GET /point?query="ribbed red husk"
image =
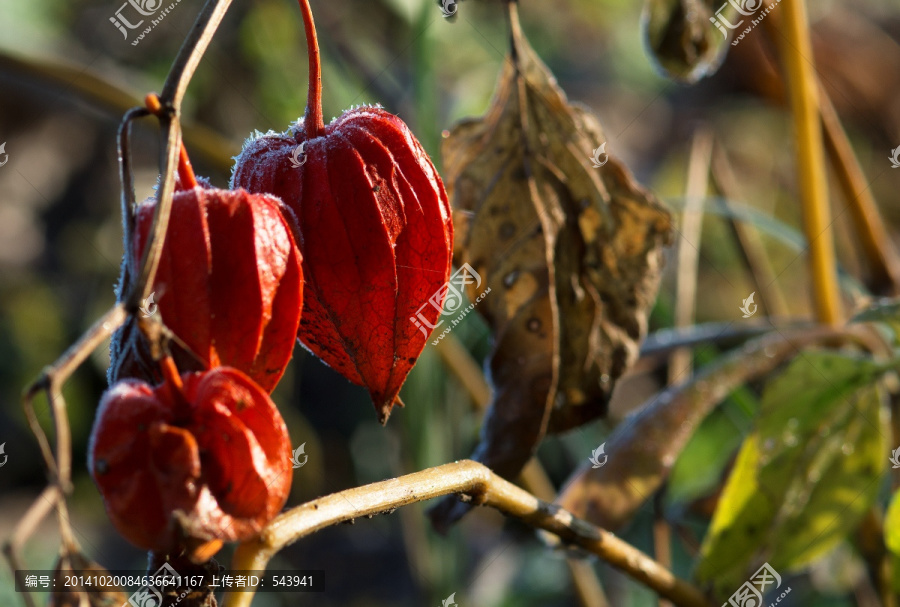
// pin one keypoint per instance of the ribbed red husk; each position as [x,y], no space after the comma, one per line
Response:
[211,462]
[376,235]
[229,285]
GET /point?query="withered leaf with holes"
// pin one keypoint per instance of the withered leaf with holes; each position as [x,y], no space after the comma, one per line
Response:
[571,254]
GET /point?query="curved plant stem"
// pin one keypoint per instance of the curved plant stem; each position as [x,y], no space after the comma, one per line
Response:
[59,463]
[51,381]
[881,256]
[186,178]
[313,123]
[691,231]
[172,95]
[26,526]
[113,98]
[126,178]
[803,92]
[751,246]
[880,252]
[473,481]
[533,477]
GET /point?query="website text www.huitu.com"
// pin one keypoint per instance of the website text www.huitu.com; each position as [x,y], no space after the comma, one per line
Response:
[747,8]
[456,321]
[448,300]
[131,15]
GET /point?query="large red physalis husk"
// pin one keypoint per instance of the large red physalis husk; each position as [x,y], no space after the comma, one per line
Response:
[229,286]
[209,460]
[375,231]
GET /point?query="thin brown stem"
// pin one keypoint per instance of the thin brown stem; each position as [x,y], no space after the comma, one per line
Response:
[458,360]
[882,258]
[883,262]
[751,246]
[173,91]
[191,52]
[126,178]
[587,586]
[472,481]
[680,366]
[26,526]
[51,381]
[870,543]
[313,123]
[106,95]
[533,477]
[53,377]
[59,464]
[588,589]
[662,540]
[186,178]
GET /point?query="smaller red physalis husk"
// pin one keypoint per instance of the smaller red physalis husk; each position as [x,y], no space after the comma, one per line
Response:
[375,231]
[229,284]
[202,457]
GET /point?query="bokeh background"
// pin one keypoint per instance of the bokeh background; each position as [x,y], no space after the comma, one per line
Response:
[66,77]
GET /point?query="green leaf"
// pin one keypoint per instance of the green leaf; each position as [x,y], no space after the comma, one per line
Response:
[698,469]
[807,474]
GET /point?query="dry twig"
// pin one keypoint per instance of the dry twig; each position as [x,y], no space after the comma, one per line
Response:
[473,481]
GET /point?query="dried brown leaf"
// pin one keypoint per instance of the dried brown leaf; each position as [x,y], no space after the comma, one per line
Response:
[642,450]
[569,254]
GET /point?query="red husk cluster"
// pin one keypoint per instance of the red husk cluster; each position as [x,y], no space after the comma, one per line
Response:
[375,231]
[229,286]
[205,456]
[209,460]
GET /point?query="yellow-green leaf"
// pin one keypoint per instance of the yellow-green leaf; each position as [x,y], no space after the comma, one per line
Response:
[806,475]
[892,538]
